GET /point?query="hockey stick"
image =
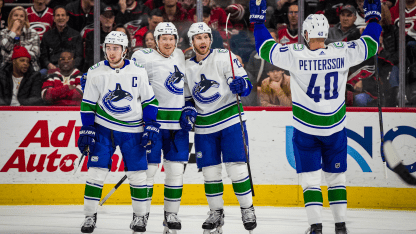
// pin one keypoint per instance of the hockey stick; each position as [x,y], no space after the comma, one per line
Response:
[380,114]
[86,151]
[396,164]
[239,110]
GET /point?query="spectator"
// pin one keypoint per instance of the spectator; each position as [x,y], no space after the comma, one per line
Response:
[40,17]
[107,19]
[19,32]
[154,4]
[289,34]
[410,15]
[275,90]
[279,18]
[81,14]
[62,87]
[58,39]
[2,16]
[155,17]
[149,40]
[20,85]
[187,4]
[389,3]
[251,99]
[345,30]
[360,21]
[331,9]
[132,14]
[173,12]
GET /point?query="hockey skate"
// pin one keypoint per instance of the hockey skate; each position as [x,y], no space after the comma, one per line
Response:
[214,222]
[138,224]
[249,218]
[314,229]
[171,223]
[340,228]
[89,224]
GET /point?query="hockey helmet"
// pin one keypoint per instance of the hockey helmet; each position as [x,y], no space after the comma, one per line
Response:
[164,28]
[199,28]
[316,25]
[116,38]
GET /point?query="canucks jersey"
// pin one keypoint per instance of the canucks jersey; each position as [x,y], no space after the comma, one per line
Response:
[118,99]
[318,79]
[166,75]
[207,84]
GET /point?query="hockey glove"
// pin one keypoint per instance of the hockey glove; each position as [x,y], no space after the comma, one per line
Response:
[372,10]
[258,11]
[83,81]
[188,118]
[238,85]
[150,134]
[86,138]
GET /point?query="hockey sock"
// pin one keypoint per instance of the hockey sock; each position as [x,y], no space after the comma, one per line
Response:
[337,195]
[94,189]
[214,187]
[138,191]
[238,174]
[173,185]
[150,177]
[312,195]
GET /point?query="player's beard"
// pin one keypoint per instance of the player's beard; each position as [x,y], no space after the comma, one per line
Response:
[197,50]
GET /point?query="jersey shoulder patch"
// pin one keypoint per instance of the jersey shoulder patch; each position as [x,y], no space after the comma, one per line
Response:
[95,66]
[222,50]
[137,64]
[147,50]
[338,45]
[298,47]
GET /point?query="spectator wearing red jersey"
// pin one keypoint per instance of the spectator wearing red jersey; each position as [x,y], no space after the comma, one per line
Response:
[40,17]
[155,18]
[62,87]
[154,4]
[409,14]
[132,14]
[81,14]
[58,39]
[187,4]
[289,34]
[173,12]
[18,32]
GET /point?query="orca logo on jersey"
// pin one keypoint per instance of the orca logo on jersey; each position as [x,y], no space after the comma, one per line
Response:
[117,95]
[175,78]
[203,86]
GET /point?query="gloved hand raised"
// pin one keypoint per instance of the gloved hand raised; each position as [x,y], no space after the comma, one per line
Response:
[258,11]
[372,10]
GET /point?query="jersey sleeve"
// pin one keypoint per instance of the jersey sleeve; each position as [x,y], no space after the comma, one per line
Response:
[238,70]
[267,48]
[89,101]
[139,57]
[148,100]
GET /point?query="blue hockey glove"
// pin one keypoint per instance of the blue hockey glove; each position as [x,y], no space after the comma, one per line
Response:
[372,10]
[86,138]
[238,85]
[258,11]
[188,118]
[150,134]
[83,81]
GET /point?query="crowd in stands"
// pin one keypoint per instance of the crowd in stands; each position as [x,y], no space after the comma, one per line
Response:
[46,47]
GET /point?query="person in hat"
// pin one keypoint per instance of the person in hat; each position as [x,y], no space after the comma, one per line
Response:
[346,28]
[20,85]
[81,14]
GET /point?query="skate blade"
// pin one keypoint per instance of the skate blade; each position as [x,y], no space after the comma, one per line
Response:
[166,230]
[218,230]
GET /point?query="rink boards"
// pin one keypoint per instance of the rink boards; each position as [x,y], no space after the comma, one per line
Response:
[38,147]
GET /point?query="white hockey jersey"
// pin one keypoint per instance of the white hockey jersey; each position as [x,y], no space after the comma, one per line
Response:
[318,80]
[115,98]
[206,83]
[166,75]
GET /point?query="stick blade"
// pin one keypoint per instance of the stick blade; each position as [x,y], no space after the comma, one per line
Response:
[391,154]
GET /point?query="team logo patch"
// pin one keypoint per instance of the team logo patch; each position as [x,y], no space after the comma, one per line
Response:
[147,50]
[95,66]
[203,86]
[338,45]
[117,100]
[94,159]
[174,80]
[199,154]
[222,51]
[137,64]
[298,47]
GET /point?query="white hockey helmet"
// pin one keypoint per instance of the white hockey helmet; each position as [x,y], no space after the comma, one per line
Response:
[164,28]
[316,25]
[199,28]
[116,38]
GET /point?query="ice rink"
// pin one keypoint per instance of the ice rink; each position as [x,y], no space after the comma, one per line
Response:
[116,220]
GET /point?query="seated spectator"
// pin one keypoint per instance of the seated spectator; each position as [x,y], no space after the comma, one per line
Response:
[187,4]
[149,40]
[121,28]
[107,18]
[154,4]
[18,32]
[409,13]
[58,39]
[173,12]
[279,18]
[40,17]
[20,84]
[275,90]
[331,9]
[289,34]
[345,30]
[132,14]
[81,14]
[62,87]
[155,17]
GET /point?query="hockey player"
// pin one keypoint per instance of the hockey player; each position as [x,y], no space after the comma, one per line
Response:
[209,86]
[118,109]
[165,67]
[319,76]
